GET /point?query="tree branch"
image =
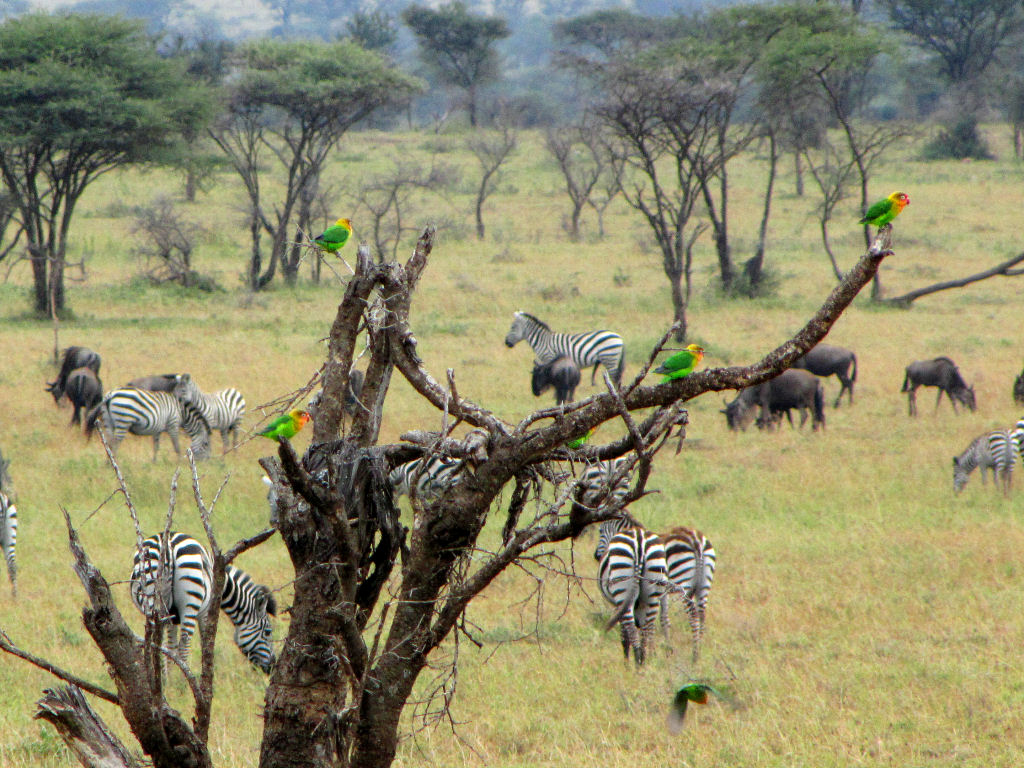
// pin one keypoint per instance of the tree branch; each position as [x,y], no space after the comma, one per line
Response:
[1003,269]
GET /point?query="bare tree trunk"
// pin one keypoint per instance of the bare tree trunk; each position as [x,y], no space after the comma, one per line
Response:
[678,305]
[754,268]
[85,733]
[798,173]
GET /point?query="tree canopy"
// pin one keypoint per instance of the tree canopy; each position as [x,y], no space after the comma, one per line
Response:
[80,96]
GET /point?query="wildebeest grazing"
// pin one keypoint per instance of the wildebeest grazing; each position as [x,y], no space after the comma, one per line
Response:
[72,358]
[1018,389]
[561,373]
[161,382]
[826,360]
[84,389]
[790,389]
[942,373]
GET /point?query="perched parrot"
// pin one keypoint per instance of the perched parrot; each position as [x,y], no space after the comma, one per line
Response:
[335,236]
[695,692]
[682,363]
[884,211]
[286,426]
[578,442]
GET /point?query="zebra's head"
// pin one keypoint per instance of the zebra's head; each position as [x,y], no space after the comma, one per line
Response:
[518,330]
[254,636]
[960,473]
[185,389]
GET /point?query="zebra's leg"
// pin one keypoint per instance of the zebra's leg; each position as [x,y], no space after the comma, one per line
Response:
[12,572]
[173,434]
[664,615]
[224,439]
[912,401]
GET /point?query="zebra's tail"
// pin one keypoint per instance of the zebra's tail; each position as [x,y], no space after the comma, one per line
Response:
[593,373]
[853,374]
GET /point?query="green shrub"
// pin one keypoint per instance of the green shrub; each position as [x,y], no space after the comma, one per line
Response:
[959,141]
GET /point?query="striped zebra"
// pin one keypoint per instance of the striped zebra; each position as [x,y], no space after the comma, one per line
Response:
[185,576]
[996,451]
[691,568]
[248,604]
[427,476]
[632,577]
[9,537]
[585,349]
[595,488]
[223,410]
[176,573]
[149,413]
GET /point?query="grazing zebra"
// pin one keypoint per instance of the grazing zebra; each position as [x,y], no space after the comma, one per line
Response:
[177,572]
[585,349]
[223,410]
[9,537]
[594,489]
[996,451]
[186,576]
[691,567]
[247,605]
[632,578]
[149,413]
[429,476]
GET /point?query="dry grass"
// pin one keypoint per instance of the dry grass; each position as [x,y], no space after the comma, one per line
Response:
[862,613]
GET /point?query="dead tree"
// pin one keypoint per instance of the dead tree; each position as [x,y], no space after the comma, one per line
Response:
[354,650]
[492,150]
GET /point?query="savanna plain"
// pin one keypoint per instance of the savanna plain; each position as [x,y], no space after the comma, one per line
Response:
[861,613]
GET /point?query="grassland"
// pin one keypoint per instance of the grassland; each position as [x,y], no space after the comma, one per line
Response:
[862,613]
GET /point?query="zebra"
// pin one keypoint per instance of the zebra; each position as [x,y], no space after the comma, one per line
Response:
[186,577]
[248,604]
[9,537]
[691,568]
[429,476]
[223,410]
[175,570]
[149,413]
[632,577]
[996,451]
[595,488]
[585,349]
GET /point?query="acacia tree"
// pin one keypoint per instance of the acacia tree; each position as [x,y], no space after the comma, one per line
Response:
[79,97]
[458,46]
[291,103]
[351,658]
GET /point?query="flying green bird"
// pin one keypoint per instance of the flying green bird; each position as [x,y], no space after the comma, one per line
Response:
[695,692]
[682,363]
[335,236]
[884,211]
[287,425]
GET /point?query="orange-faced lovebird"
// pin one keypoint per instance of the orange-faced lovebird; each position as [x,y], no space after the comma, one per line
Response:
[695,692]
[682,363]
[884,211]
[287,425]
[335,236]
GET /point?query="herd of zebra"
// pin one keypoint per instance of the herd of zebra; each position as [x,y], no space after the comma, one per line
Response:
[149,405]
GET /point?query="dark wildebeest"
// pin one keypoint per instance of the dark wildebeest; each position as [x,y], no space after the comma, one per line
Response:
[561,373]
[84,389]
[161,382]
[1018,389]
[942,373]
[790,389]
[72,358]
[825,360]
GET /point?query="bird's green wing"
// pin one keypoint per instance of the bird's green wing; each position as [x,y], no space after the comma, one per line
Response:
[880,208]
[677,362]
[333,235]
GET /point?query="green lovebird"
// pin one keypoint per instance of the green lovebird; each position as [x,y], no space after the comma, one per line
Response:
[577,442]
[286,426]
[695,692]
[884,211]
[335,236]
[682,363]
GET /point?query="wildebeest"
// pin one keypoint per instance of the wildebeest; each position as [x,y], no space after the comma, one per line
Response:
[790,389]
[1018,389]
[826,360]
[84,389]
[942,373]
[161,382]
[561,373]
[72,358]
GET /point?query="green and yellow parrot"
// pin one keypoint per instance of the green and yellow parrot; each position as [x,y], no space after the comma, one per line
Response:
[695,692]
[682,363]
[884,211]
[335,236]
[577,442]
[287,425]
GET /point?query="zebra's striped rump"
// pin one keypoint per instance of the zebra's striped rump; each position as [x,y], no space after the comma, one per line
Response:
[632,576]
[9,538]
[690,560]
[171,579]
[426,477]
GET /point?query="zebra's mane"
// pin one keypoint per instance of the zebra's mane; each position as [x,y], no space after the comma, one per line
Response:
[534,319]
